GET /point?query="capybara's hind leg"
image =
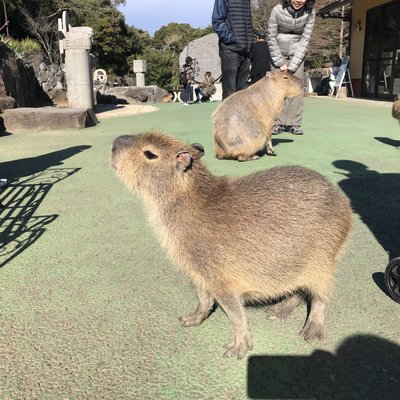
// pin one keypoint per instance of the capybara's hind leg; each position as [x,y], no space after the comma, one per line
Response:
[243,157]
[285,307]
[242,340]
[203,310]
[219,151]
[314,328]
[269,149]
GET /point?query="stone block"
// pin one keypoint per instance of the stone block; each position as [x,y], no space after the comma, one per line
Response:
[139,66]
[7,103]
[45,118]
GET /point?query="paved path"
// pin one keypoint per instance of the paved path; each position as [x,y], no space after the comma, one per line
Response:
[90,303]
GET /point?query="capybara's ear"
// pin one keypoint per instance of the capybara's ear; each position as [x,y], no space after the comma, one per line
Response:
[199,150]
[184,160]
[285,75]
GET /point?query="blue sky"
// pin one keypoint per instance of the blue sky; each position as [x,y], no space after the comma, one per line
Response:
[151,15]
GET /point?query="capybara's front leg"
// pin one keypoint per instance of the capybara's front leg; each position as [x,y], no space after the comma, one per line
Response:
[269,148]
[203,310]
[242,340]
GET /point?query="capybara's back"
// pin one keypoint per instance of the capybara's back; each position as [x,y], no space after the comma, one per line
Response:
[275,234]
[242,123]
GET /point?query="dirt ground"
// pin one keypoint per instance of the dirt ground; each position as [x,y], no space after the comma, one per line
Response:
[120,110]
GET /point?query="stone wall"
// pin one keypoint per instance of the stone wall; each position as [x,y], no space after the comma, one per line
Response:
[30,81]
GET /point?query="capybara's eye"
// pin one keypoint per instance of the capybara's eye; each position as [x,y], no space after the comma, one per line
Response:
[151,156]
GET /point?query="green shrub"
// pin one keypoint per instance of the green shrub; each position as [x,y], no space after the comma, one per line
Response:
[21,47]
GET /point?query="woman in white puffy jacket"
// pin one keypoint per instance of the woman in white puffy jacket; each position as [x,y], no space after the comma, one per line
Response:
[290,28]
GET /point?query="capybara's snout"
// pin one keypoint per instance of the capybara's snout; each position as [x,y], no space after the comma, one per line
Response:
[120,144]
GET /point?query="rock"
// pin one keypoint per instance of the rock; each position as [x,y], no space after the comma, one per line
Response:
[48,118]
[7,103]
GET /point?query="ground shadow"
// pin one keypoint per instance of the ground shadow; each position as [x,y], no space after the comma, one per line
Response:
[379,279]
[375,197]
[276,142]
[388,141]
[30,181]
[17,169]
[364,367]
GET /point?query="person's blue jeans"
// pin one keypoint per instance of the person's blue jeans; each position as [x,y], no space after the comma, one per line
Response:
[186,93]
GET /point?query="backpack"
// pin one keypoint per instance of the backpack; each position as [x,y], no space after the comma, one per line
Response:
[182,78]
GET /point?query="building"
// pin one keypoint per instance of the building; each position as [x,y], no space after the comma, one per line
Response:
[374,46]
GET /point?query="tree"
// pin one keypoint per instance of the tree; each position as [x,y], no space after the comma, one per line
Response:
[44,28]
[261,10]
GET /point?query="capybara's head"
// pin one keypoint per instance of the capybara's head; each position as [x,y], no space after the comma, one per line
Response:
[288,83]
[153,164]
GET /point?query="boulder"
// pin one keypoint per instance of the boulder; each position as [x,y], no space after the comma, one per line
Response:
[45,118]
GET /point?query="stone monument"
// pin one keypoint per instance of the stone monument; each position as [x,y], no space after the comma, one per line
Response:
[100,76]
[76,43]
[139,68]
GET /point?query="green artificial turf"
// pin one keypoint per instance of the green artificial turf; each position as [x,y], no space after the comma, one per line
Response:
[89,303]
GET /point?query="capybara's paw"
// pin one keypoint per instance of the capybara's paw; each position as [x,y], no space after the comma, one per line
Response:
[240,346]
[248,158]
[313,331]
[271,152]
[194,319]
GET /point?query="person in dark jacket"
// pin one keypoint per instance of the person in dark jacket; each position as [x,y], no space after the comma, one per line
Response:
[231,20]
[188,72]
[289,32]
[259,57]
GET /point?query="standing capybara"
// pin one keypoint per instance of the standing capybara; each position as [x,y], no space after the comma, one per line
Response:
[242,124]
[275,234]
[396,108]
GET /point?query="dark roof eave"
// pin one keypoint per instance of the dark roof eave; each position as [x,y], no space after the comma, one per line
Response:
[332,7]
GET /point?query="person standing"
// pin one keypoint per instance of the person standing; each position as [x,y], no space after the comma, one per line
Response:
[231,21]
[290,28]
[187,79]
[259,57]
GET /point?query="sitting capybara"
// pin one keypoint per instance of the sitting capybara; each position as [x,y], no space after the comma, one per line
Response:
[242,123]
[275,234]
[396,108]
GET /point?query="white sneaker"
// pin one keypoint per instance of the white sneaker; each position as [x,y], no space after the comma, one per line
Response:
[185,104]
[3,183]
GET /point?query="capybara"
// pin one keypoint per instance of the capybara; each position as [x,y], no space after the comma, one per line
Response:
[242,123]
[275,234]
[396,108]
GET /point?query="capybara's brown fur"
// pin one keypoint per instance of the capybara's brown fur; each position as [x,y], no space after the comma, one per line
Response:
[396,108]
[242,123]
[275,234]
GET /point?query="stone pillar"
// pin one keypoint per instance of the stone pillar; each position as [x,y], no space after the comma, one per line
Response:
[75,43]
[139,68]
[78,70]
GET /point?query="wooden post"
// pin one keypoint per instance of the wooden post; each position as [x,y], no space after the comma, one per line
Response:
[341,37]
[6,18]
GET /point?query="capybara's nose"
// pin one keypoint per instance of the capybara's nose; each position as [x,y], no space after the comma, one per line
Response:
[121,143]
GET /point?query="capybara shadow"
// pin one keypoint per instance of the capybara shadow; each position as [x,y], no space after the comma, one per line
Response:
[274,234]
[242,123]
